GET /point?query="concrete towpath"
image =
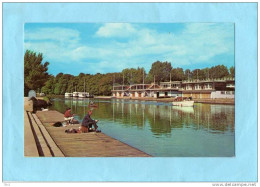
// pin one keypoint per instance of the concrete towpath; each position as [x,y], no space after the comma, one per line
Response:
[84,144]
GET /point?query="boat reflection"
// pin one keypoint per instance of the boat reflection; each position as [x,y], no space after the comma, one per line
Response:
[161,129]
[184,109]
[161,119]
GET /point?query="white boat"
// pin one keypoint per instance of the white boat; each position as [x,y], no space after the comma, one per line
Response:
[75,94]
[68,94]
[187,110]
[90,96]
[183,103]
[82,94]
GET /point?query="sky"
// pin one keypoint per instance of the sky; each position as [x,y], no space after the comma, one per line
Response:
[75,48]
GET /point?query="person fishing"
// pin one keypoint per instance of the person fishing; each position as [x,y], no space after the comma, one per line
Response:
[88,122]
[68,117]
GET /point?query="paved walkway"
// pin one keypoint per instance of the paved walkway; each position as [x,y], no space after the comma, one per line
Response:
[84,144]
[37,141]
[30,146]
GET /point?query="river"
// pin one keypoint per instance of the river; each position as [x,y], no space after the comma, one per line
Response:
[161,130]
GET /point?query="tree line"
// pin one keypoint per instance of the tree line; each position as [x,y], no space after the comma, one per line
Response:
[37,78]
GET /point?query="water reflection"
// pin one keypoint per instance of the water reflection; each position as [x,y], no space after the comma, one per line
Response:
[161,117]
[160,129]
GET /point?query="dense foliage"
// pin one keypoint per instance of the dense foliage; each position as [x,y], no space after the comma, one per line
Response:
[35,73]
[36,77]
[159,72]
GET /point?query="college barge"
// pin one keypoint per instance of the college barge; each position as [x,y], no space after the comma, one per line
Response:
[196,89]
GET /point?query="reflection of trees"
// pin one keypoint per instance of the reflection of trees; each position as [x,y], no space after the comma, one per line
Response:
[59,106]
[156,118]
[129,114]
[217,118]
[161,118]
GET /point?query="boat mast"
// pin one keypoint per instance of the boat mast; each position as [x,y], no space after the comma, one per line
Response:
[84,86]
[113,81]
[143,79]
[123,85]
[131,80]
[170,79]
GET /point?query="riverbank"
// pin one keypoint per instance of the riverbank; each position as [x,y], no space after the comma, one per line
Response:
[102,97]
[208,101]
[44,140]
[216,101]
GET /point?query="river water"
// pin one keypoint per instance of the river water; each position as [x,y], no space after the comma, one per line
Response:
[161,130]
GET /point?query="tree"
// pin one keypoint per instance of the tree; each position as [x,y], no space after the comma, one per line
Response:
[232,71]
[161,71]
[177,74]
[219,71]
[62,84]
[105,84]
[206,73]
[187,74]
[48,88]
[198,74]
[93,84]
[35,73]
[133,76]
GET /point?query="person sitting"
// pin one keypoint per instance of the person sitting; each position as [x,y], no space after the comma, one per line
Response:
[88,122]
[68,117]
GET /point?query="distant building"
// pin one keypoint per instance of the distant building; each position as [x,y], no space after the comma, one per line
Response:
[198,89]
[210,88]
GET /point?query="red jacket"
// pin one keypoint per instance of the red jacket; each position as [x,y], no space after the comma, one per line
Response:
[67,114]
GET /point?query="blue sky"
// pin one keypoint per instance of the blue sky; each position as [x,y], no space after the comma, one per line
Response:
[75,48]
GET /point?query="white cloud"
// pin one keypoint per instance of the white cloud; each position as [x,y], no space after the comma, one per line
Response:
[116,30]
[197,43]
[56,34]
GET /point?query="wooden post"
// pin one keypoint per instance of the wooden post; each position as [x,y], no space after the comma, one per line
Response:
[143,79]
[171,80]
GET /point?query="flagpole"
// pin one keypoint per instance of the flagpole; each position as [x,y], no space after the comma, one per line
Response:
[143,79]
[170,79]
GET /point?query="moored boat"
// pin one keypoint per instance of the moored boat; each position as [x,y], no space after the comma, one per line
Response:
[68,94]
[90,96]
[183,103]
[82,94]
[75,94]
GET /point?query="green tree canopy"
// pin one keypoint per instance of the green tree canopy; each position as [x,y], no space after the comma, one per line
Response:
[161,71]
[35,73]
[198,74]
[105,84]
[177,74]
[36,76]
[48,88]
[219,71]
[232,71]
[133,76]
[187,74]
